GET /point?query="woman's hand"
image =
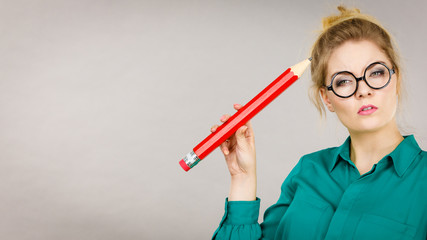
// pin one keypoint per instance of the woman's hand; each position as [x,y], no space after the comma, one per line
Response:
[240,156]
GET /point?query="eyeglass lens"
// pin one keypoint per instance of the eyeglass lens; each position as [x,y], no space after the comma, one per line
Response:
[377,76]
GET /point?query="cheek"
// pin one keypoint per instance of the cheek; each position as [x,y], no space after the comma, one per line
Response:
[344,109]
[340,104]
[390,96]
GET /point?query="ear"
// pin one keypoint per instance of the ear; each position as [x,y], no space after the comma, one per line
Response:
[398,84]
[326,99]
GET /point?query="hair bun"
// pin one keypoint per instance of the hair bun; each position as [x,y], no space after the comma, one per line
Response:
[345,15]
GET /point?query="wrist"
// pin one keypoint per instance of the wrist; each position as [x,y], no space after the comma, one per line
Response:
[243,187]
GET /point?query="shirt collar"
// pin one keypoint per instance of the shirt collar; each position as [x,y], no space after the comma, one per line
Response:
[402,156]
[341,153]
[405,154]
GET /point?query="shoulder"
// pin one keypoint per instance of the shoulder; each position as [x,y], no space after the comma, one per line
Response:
[422,161]
[325,157]
[327,152]
[412,150]
[423,155]
[417,171]
[311,166]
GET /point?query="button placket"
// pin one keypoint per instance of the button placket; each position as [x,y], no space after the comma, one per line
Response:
[343,210]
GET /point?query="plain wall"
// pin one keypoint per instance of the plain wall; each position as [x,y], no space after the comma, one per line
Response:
[99,100]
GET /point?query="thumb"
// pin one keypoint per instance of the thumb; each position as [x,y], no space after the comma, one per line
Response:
[241,135]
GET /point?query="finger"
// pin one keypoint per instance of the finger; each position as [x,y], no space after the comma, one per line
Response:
[250,131]
[224,118]
[224,148]
[237,106]
[249,125]
[214,127]
[241,133]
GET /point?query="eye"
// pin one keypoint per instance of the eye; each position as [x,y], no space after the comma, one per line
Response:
[378,73]
[343,82]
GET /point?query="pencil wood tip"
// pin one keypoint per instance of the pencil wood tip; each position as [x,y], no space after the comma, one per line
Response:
[300,67]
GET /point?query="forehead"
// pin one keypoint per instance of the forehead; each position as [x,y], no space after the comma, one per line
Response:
[355,56]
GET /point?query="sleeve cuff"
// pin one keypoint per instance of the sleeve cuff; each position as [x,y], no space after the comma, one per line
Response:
[242,212]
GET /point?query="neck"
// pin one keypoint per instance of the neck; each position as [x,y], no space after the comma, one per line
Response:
[367,148]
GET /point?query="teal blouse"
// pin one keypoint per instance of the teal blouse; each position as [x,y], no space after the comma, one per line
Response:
[325,197]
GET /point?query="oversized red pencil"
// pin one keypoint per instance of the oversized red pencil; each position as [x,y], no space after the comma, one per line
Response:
[243,115]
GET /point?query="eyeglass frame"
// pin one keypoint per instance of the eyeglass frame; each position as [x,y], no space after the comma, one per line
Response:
[390,71]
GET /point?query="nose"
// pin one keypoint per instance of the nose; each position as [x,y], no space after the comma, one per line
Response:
[363,90]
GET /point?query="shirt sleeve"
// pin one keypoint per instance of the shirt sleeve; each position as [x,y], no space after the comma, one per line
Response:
[240,220]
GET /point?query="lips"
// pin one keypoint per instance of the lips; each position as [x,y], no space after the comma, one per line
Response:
[367,109]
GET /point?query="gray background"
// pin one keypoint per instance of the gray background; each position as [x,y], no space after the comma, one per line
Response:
[100,99]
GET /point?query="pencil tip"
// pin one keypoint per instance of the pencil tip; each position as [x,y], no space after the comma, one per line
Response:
[310,58]
[300,67]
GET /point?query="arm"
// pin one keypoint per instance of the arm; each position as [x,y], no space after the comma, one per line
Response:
[240,219]
[240,156]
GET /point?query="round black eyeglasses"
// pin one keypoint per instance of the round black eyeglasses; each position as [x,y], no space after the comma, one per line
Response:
[344,84]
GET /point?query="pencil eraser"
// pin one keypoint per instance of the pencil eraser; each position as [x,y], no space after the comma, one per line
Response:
[184,165]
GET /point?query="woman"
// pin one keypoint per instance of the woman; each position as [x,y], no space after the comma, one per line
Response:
[374,186]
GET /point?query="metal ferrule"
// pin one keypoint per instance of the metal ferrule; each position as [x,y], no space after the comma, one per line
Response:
[191,159]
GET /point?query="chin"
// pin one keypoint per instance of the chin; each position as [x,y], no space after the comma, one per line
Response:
[369,125]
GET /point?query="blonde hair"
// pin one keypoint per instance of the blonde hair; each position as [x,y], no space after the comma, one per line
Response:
[337,29]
